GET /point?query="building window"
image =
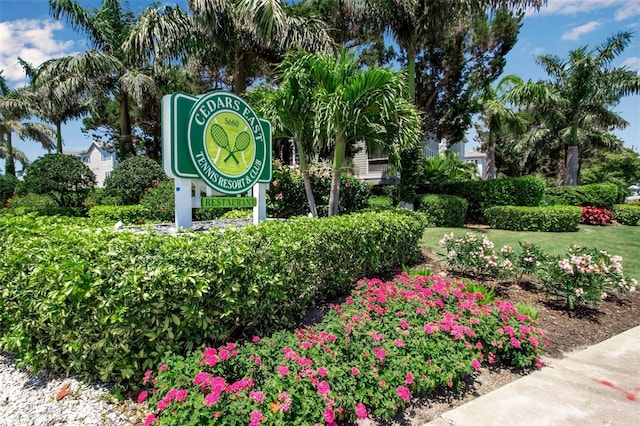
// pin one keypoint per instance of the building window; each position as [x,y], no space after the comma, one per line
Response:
[106,156]
[106,174]
[85,159]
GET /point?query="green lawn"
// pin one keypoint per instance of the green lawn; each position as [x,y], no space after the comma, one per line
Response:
[619,240]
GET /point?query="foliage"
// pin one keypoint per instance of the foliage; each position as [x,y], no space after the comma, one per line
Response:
[603,195]
[627,214]
[132,178]
[488,294]
[130,215]
[483,194]
[8,185]
[417,272]
[62,177]
[621,169]
[30,203]
[584,276]
[444,210]
[160,201]
[379,202]
[110,303]
[529,310]
[285,195]
[99,197]
[545,219]
[387,344]
[474,256]
[236,214]
[442,169]
[595,216]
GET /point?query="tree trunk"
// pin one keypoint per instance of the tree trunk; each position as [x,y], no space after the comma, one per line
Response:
[59,137]
[572,166]
[561,176]
[411,71]
[10,162]
[304,168]
[126,139]
[338,160]
[239,74]
[490,173]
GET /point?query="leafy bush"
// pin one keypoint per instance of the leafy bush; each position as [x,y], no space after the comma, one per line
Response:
[237,214]
[380,202]
[584,276]
[99,197]
[8,185]
[444,210]
[389,343]
[29,203]
[96,301]
[159,200]
[286,196]
[595,216]
[64,178]
[470,255]
[627,214]
[603,195]
[484,194]
[545,219]
[129,215]
[531,311]
[131,179]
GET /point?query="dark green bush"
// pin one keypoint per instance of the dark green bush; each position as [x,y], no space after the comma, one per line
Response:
[380,202]
[8,185]
[626,214]
[129,215]
[603,195]
[109,304]
[131,179]
[484,194]
[545,219]
[64,178]
[29,203]
[446,211]
[160,202]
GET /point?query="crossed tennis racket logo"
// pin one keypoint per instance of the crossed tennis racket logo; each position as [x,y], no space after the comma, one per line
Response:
[240,144]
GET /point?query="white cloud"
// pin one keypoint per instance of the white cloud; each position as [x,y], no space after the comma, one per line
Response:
[32,40]
[577,32]
[632,63]
[624,9]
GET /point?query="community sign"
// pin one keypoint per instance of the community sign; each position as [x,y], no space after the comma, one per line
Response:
[216,138]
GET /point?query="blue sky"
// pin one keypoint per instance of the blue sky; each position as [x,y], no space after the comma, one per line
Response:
[28,31]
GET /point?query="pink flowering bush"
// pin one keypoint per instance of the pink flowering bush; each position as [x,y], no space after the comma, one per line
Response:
[585,276]
[388,343]
[595,216]
[476,256]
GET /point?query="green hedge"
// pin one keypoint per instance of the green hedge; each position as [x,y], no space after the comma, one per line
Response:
[626,214]
[444,210]
[603,195]
[484,194]
[546,219]
[88,300]
[135,214]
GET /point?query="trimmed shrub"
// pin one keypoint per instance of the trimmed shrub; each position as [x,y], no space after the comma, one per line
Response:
[109,304]
[484,194]
[160,202]
[627,214]
[546,219]
[64,178]
[129,215]
[131,179]
[595,216]
[603,195]
[444,210]
[380,202]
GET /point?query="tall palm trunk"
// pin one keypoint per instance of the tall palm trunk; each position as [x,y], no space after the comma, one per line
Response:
[58,137]
[304,168]
[239,74]
[573,155]
[409,160]
[490,173]
[411,70]
[10,162]
[126,139]
[338,161]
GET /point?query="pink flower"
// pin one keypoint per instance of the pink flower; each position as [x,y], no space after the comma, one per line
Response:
[355,371]
[382,383]
[403,393]
[515,343]
[361,411]
[282,370]
[256,418]
[163,367]
[255,339]
[380,353]
[202,378]
[328,415]
[322,372]
[149,420]
[181,395]
[143,395]
[399,343]
[404,324]
[347,184]
[475,364]
[147,376]
[408,378]
[257,396]
[274,183]
[279,196]
[286,401]
[323,388]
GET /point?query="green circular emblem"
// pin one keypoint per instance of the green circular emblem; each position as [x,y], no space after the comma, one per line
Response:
[226,143]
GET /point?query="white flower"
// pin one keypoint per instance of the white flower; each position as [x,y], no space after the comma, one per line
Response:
[579,292]
[603,296]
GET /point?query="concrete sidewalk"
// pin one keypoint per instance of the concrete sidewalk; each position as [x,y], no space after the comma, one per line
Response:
[597,386]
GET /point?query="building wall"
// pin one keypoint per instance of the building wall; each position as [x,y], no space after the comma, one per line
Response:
[100,162]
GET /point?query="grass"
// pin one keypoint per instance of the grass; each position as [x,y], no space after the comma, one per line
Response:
[618,240]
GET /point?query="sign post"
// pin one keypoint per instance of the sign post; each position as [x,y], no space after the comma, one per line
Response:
[218,140]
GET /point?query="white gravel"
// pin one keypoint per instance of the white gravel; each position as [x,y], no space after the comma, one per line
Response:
[30,400]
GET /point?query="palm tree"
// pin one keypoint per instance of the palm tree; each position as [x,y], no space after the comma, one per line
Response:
[499,118]
[14,108]
[108,69]
[239,33]
[353,104]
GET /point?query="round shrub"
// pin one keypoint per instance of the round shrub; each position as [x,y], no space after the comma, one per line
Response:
[443,210]
[602,195]
[627,214]
[595,216]
[64,178]
[131,179]
[8,185]
[546,219]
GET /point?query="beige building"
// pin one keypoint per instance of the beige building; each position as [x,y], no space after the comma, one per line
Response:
[100,158]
